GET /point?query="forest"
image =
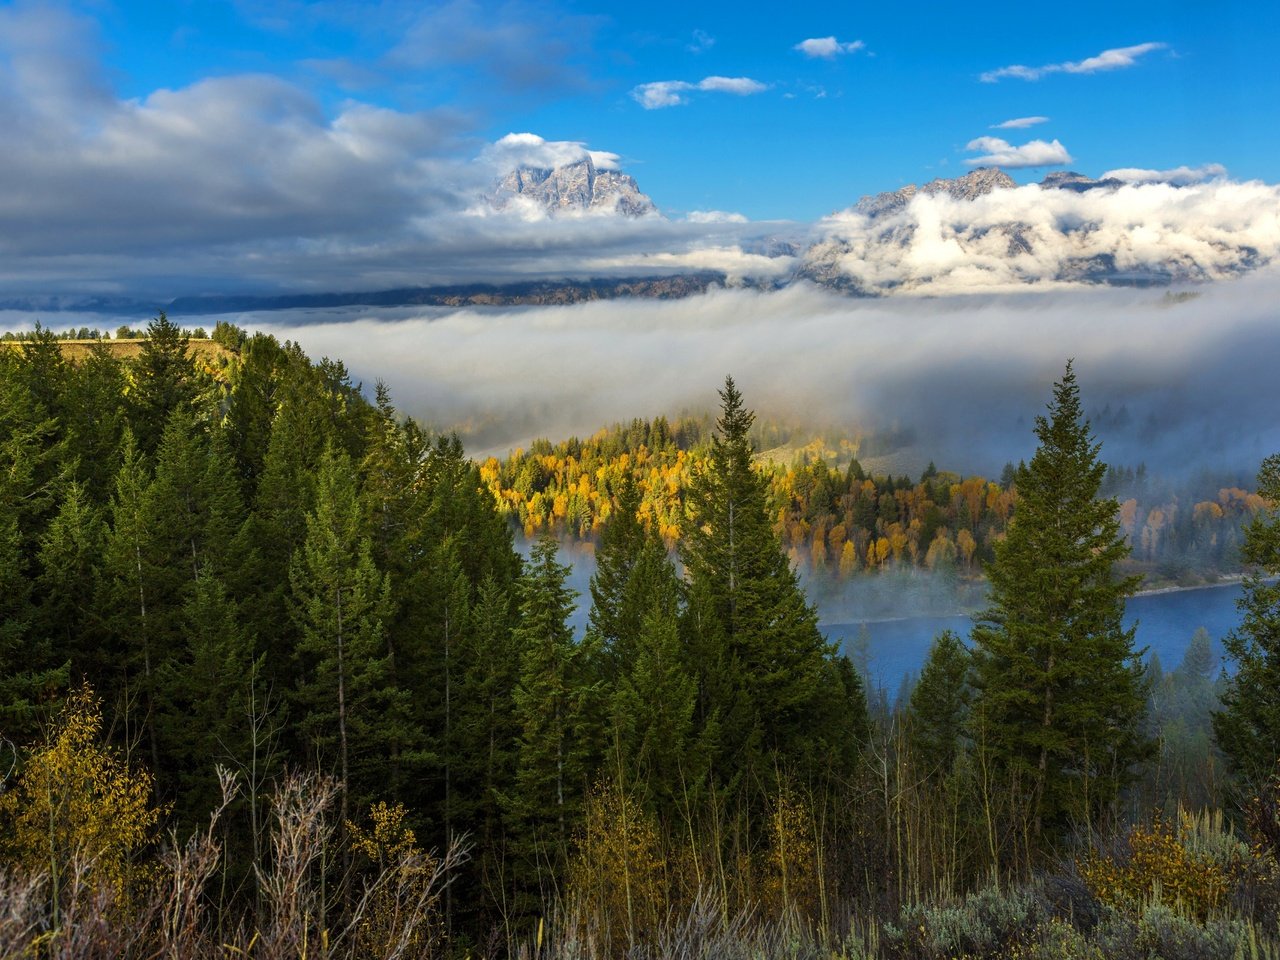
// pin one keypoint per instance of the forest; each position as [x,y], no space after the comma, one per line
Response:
[275,682]
[838,521]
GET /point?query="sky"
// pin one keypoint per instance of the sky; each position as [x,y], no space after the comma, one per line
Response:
[206,146]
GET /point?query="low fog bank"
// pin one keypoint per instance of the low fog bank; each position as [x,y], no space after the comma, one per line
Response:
[1181,381]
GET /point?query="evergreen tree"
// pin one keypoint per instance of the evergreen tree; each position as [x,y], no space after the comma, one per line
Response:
[206,696]
[616,611]
[488,731]
[939,705]
[96,419]
[653,749]
[129,591]
[164,382]
[769,690]
[70,562]
[1060,692]
[348,709]
[548,699]
[1248,727]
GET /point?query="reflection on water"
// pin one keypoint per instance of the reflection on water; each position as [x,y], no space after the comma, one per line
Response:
[1165,622]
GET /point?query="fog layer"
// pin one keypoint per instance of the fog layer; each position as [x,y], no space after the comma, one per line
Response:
[1181,381]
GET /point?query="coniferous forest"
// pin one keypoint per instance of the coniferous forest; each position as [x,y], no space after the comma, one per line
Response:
[275,682]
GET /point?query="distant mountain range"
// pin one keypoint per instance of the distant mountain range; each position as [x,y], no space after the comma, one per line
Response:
[979,231]
[531,293]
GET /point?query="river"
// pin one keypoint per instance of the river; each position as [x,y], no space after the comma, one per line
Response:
[1165,622]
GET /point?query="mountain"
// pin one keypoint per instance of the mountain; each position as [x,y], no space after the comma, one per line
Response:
[576,187]
[974,184]
[984,232]
[1077,182]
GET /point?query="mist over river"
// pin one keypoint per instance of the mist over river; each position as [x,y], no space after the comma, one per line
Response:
[1165,621]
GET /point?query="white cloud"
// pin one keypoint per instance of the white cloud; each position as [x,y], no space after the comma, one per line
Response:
[714,216]
[1001,153]
[567,370]
[671,93]
[827,48]
[741,86]
[1019,123]
[530,150]
[1178,176]
[1028,236]
[1116,59]
[702,42]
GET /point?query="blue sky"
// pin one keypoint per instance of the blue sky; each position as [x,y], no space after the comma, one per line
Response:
[898,103]
[194,147]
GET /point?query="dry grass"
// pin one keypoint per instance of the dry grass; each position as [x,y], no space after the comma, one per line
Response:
[206,351]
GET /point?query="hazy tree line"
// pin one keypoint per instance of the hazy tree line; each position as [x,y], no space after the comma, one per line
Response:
[841,522]
[251,590]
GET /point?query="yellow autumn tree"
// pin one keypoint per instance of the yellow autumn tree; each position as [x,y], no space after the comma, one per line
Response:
[78,805]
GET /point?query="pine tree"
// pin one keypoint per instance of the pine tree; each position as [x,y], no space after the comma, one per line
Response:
[616,611]
[70,562]
[549,699]
[205,697]
[164,382]
[939,705]
[769,688]
[347,707]
[1060,692]
[488,730]
[129,591]
[1248,727]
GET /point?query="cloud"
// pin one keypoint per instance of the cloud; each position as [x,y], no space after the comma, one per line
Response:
[1118,58]
[1178,176]
[827,48]
[1019,123]
[1030,237]
[523,46]
[1187,372]
[701,43]
[714,216]
[530,150]
[1001,153]
[671,93]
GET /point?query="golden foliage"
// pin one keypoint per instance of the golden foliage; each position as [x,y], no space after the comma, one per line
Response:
[793,876]
[78,804]
[618,876]
[1159,865]
[401,903]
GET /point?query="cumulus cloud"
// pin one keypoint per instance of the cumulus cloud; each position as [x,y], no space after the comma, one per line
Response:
[1001,153]
[827,48]
[1118,58]
[1019,123]
[530,150]
[1178,176]
[672,93]
[1017,237]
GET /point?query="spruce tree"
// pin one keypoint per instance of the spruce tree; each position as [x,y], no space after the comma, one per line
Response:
[1248,727]
[770,691]
[70,563]
[164,382]
[549,700]
[1060,691]
[347,706]
[939,705]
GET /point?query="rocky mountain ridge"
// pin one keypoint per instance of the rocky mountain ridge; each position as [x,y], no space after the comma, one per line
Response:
[573,187]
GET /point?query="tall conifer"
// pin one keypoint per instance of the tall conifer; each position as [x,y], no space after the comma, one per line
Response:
[1060,690]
